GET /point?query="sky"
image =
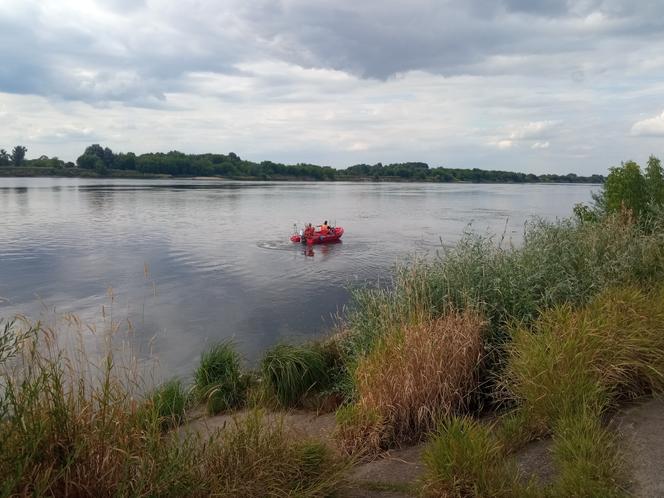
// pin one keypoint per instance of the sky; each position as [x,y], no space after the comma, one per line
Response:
[536,86]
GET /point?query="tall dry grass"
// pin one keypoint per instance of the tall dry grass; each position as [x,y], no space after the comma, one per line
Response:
[414,377]
[79,425]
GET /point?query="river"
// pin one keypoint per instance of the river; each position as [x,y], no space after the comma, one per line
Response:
[191,262]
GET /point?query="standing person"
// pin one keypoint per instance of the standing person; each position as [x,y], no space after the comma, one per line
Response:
[324,228]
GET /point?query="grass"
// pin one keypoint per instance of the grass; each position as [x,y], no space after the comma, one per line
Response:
[361,432]
[559,262]
[72,429]
[291,372]
[259,459]
[169,402]
[419,374]
[464,459]
[587,458]
[571,360]
[218,378]
[563,374]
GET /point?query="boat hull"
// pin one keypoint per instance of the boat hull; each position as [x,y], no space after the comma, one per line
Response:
[319,238]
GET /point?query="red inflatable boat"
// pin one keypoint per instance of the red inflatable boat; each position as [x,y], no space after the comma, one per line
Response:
[332,235]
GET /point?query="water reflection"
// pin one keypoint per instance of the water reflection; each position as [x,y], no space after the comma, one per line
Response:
[221,263]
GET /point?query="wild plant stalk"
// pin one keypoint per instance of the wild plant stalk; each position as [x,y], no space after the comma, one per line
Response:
[66,433]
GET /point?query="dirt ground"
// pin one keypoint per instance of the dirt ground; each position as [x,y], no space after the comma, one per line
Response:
[395,474]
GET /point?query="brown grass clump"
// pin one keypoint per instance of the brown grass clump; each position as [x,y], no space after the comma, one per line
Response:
[419,374]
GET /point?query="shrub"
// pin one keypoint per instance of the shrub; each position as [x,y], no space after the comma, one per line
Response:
[291,372]
[218,378]
[425,371]
[463,459]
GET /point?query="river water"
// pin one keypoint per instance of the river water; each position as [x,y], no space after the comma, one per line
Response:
[191,262]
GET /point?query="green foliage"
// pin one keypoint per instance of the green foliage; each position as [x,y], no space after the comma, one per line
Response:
[464,459]
[655,181]
[231,165]
[4,158]
[169,402]
[559,262]
[65,433]
[291,372]
[625,187]
[18,155]
[628,189]
[218,378]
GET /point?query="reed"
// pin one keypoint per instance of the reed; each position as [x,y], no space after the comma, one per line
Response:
[75,424]
[423,372]
[559,262]
[411,379]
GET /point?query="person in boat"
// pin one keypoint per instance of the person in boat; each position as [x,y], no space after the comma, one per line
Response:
[324,228]
[309,231]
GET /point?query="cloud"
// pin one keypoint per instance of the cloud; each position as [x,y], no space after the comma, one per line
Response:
[534,130]
[479,84]
[650,127]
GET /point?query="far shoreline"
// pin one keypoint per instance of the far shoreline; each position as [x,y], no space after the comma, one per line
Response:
[122,174]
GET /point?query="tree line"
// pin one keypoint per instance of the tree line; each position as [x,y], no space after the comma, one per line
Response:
[104,161]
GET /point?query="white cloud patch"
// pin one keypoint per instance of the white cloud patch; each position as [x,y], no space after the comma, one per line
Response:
[468,84]
[650,127]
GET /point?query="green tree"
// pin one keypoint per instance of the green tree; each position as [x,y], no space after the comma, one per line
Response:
[4,158]
[655,181]
[18,155]
[626,188]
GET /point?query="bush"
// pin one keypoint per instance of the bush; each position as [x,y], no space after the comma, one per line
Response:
[291,372]
[218,379]
[421,373]
[463,459]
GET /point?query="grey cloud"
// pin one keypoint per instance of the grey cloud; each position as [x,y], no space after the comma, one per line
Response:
[136,52]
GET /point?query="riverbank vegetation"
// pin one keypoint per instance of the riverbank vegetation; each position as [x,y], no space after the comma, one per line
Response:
[76,427]
[98,161]
[476,352]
